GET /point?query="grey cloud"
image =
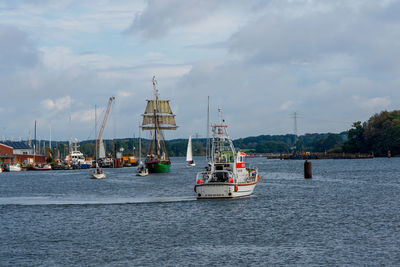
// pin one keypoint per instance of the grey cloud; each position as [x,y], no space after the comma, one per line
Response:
[16,50]
[339,30]
[159,17]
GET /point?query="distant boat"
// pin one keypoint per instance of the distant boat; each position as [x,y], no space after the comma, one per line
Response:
[189,154]
[76,157]
[98,172]
[158,116]
[13,168]
[141,170]
[45,167]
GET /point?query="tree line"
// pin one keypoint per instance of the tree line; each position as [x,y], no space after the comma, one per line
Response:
[378,135]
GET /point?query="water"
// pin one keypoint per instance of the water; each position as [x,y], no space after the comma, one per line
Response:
[348,214]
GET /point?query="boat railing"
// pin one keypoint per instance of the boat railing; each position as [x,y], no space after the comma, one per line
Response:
[215,177]
[253,174]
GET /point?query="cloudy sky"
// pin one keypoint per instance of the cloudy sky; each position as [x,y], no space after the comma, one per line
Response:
[332,62]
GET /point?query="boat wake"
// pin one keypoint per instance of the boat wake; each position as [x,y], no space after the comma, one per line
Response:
[47,201]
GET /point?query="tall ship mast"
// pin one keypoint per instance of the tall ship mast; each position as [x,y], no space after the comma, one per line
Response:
[157,117]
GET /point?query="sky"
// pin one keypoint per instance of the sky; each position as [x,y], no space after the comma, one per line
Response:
[333,62]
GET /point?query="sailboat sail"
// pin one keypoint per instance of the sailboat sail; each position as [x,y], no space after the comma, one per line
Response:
[189,156]
[158,115]
[102,150]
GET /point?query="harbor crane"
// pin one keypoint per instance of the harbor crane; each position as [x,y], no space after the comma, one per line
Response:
[103,125]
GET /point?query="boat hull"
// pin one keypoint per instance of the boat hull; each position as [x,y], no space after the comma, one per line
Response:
[156,167]
[13,168]
[98,175]
[223,190]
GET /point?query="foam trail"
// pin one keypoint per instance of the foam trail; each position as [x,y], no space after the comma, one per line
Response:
[37,201]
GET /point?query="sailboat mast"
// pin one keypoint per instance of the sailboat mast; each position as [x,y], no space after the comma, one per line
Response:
[95,131]
[156,137]
[208,129]
[34,146]
[140,146]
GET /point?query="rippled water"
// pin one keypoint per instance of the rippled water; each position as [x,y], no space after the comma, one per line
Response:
[348,214]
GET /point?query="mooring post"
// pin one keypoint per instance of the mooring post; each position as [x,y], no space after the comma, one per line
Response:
[307,169]
[389,154]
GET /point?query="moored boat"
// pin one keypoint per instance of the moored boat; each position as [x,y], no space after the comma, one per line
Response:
[13,168]
[227,175]
[45,167]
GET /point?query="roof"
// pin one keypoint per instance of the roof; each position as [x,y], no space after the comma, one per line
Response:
[16,145]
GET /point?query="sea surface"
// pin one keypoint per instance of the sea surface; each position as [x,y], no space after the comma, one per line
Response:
[348,214]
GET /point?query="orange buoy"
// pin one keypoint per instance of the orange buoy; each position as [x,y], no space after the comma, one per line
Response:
[236,188]
[200,181]
[230,180]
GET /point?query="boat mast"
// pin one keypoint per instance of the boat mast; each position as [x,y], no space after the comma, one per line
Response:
[140,146]
[208,129]
[95,131]
[34,147]
[156,137]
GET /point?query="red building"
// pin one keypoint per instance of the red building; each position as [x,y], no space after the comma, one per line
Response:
[18,152]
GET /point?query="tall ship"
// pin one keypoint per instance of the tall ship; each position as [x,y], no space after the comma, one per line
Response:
[157,117]
[227,175]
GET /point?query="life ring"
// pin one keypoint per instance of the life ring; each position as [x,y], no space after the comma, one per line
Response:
[200,181]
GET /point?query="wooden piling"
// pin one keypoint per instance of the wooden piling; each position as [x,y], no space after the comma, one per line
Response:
[307,169]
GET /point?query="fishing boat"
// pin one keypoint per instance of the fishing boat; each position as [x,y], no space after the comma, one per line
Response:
[76,158]
[189,154]
[157,117]
[227,175]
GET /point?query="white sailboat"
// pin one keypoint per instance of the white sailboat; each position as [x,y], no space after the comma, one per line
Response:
[141,170]
[189,153]
[98,172]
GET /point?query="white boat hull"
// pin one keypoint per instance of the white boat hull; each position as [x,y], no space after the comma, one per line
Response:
[96,175]
[13,168]
[223,190]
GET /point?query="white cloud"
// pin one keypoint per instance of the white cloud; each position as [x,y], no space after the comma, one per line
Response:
[373,103]
[62,103]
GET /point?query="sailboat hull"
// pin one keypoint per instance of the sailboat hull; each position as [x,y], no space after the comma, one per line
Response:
[156,167]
